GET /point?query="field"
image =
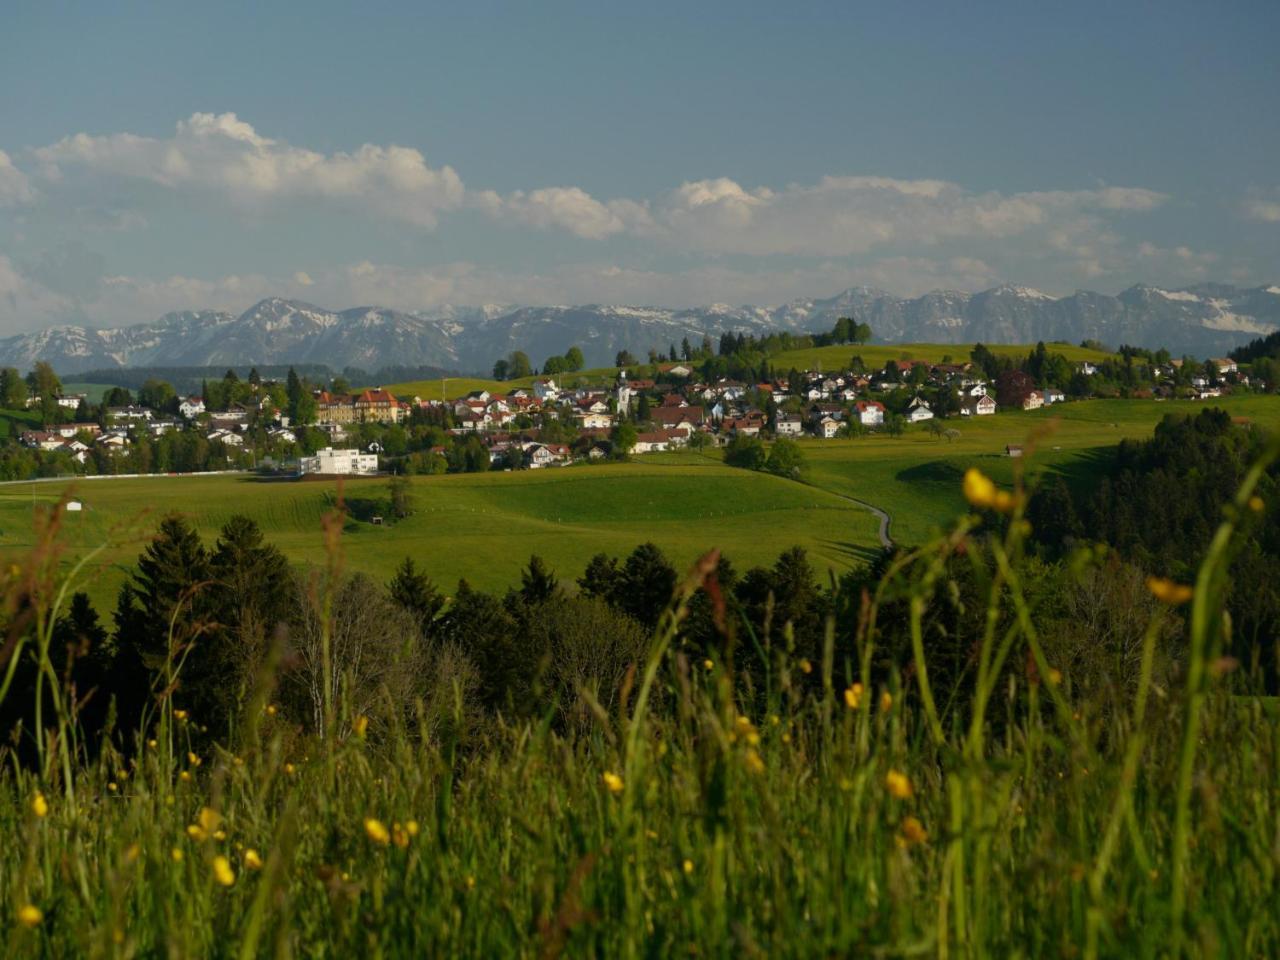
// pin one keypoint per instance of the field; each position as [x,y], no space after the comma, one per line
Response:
[482,527]
[820,358]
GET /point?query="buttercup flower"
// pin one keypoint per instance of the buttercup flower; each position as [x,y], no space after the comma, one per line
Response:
[377,831]
[39,805]
[612,782]
[222,871]
[898,784]
[1174,594]
[29,915]
[912,831]
[853,696]
[980,491]
[252,860]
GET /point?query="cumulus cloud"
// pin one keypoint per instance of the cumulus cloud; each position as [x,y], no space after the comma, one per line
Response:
[15,187]
[1263,207]
[223,153]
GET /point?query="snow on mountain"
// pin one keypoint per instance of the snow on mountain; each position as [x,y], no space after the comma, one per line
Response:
[1203,320]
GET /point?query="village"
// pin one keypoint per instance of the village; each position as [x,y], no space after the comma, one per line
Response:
[665,407]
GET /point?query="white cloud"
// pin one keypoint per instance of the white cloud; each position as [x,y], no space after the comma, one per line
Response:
[15,188]
[1263,209]
[224,154]
[303,279]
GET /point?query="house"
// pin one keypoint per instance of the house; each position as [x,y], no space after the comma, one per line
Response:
[1013,450]
[227,437]
[133,412]
[71,429]
[680,370]
[1054,395]
[870,412]
[191,407]
[1225,365]
[983,406]
[538,455]
[826,428]
[71,401]
[788,425]
[919,411]
[379,406]
[1087,368]
[660,440]
[545,389]
[678,418]
[594,421]
[745,426]
[1033,400]
[329,462]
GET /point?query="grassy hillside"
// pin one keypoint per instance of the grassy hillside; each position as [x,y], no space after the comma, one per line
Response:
[484,526]
[825,358]
[479,526]
[876,355]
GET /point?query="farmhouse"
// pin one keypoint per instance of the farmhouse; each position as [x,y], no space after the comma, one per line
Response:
[191,407]
[919,411]
[330,462]
[983,406]
[789,425]
[1033,400]
[870,413]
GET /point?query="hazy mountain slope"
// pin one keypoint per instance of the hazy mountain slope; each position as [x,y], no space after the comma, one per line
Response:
[1202,320]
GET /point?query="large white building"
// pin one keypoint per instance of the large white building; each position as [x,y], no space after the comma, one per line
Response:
[330,461]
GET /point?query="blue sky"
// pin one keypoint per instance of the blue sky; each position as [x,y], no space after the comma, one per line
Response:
[174,156]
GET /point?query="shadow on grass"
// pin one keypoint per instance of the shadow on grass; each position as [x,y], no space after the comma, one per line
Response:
[861,553]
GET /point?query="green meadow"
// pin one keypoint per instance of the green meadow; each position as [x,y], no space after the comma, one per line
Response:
[483,527]
[818,358]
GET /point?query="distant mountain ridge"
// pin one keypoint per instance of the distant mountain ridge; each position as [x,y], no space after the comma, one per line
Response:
[1208,319]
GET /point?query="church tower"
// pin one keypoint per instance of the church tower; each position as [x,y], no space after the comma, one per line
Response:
[623,394]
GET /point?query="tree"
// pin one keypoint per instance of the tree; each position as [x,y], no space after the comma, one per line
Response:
[554,366]
[643,411]
[685,349]
[575,360]
[1012,388]
[538,582]
[894,424]
[42,381]
[340,385]
[746,452]
[13,389]
[624,359]
[400,496]
[601,577]
[786,459]
[158,395]
[518,365]
[500,370]
[623,438]
[416,594]
[645,585]
[249,599]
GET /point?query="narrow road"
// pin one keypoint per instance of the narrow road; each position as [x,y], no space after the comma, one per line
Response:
[883,532]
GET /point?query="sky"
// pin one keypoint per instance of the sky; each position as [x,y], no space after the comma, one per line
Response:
[172,156]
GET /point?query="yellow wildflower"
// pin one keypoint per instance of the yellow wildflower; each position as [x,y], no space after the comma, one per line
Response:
[1174,594]
[176,854]
[252,860]
[411,828]
[398,836]
[806,666]
[707,664]
[376,831]
[613,782]
[222,871]
[913,831]
[184,776]
[1055,676]
[131,852]
[271,709]
[152,743]
[289,768]
[687,867]
[29,915]
[1256,504]
[853,696]
[112,786]
[196,832]
[193,759]
[209,819]
[886,701]
[180,714]
[982,492]
[39,805]
[754,763]
[361,726]
[898,784]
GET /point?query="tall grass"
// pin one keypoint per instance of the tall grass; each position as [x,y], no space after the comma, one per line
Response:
[855,815]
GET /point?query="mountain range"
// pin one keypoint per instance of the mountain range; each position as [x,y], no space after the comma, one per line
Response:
[1203,320]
